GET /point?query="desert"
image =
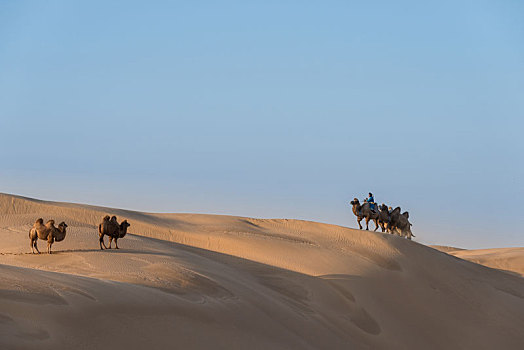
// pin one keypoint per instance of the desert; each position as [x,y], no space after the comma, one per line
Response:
[225,282]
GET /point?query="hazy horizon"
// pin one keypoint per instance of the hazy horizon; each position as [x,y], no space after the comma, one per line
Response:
[271,110]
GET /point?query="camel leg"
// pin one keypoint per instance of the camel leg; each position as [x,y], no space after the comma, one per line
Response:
[36,246]
[102,242]
[110,241]
[32,246]
[376,225]
[358,222]
[116,244]
[367,224]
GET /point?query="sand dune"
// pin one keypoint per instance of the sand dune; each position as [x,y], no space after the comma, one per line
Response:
[506,259]
[193,281]
[446,249]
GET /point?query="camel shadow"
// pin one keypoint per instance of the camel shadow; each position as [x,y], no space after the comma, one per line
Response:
[74,251]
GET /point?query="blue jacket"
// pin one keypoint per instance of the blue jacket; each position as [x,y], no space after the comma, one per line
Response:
[370,200]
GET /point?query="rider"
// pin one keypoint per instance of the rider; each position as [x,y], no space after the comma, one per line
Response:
[371,201]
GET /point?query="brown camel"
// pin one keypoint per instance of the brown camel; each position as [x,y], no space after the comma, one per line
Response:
[364,212]
[48,232]
[111,228]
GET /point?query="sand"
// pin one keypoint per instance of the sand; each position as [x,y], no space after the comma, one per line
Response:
[510,260]
[190,281]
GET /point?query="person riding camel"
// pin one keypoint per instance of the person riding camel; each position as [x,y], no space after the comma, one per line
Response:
[371,201]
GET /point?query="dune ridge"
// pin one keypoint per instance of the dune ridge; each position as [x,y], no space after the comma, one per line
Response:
[209,281]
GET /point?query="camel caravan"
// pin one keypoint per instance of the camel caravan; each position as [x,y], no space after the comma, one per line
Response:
[390,220]
[50,233]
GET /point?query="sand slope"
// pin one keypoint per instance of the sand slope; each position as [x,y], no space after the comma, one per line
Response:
[223,282]
[509,260]
[506,259]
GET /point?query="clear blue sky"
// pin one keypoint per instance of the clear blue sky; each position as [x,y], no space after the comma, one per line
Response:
[284,109]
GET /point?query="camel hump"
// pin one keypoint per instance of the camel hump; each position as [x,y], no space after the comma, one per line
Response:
[406,214]
[50,223]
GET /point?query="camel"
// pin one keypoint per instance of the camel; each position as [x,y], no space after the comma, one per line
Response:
[383,218]
[111,228]
[393,219]
[400,224]
[364,212]
[404,226]
[48,232]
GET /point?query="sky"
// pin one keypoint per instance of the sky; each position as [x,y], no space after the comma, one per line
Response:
[272,109]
